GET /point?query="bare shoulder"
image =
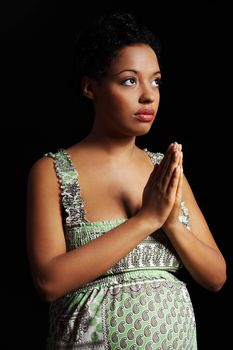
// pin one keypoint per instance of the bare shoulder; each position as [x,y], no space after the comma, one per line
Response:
[41,167]
[81,152]
[42,173]
[41,164]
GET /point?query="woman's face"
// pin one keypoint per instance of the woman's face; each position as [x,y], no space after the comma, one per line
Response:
[126,99]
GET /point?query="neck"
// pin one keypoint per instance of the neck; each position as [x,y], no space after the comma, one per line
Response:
[113,146]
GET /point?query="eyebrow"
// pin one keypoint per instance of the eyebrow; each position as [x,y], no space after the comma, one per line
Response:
[134,71]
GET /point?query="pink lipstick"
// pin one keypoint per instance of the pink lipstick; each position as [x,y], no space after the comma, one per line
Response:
[145,114]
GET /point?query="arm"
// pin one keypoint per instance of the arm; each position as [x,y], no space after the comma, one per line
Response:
[56,271]
[197,248]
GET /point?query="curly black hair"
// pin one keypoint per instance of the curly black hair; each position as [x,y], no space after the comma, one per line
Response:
[99,43]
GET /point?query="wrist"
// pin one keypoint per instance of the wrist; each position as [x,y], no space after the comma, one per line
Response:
[148,224]
[172,228]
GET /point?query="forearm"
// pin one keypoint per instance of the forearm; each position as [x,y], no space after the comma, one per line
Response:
[73,269]
[205,264]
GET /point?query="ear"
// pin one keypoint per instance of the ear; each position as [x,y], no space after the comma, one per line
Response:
[88,87]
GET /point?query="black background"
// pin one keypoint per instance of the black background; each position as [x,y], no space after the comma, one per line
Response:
[39,113]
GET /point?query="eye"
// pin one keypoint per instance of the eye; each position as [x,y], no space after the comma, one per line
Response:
[129,82]
[156,82]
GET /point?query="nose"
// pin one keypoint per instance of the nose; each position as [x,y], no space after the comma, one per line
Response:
[147,94]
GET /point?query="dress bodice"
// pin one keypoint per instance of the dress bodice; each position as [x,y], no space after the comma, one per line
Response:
[154,252]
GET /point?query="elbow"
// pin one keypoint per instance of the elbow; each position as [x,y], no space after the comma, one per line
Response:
[53,287]
[48,296]
[216,284]
[221,279]
[47,291]
[215,287]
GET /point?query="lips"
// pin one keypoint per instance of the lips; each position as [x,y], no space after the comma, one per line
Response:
[145,114]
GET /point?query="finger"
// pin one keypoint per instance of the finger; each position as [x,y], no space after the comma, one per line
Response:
[179,192]
[163,166]
[180,184]
[181,160]
[175,161]
[174,181]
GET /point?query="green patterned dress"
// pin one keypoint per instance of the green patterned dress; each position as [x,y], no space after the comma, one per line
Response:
[139,304]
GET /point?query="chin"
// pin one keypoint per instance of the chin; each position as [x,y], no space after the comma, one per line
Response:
[143,130]
[141,133]
[136,131]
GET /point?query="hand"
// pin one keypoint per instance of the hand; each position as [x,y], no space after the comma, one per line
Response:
[173,217]
[163,187]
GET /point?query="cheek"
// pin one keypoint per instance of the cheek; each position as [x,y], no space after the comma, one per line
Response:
[122,101]
[157,100]
[119,107]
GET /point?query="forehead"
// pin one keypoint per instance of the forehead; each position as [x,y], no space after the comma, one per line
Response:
[138,57]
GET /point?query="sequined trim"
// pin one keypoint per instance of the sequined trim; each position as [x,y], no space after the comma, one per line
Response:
[184,217]
[154,157]
[70,189]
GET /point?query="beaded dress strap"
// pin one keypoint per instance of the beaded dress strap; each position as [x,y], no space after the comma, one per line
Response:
[154,157]
[70,189]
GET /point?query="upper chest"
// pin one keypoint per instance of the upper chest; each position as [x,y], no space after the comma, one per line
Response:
[111,189]
[113,179]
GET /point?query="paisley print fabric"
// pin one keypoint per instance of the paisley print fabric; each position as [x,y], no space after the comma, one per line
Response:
[138,304]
